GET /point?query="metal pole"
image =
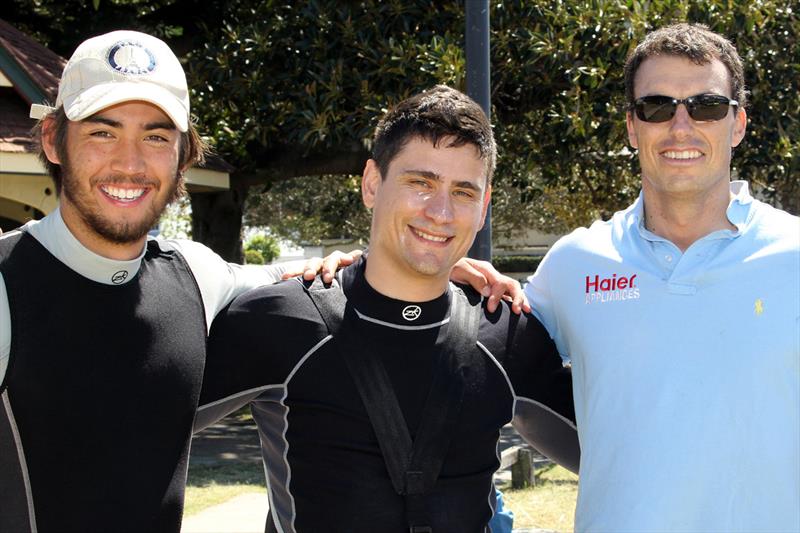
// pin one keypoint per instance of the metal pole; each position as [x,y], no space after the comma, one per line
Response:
[478,88]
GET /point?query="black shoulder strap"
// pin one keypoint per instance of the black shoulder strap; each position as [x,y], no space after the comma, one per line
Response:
[413,467]
[372,382]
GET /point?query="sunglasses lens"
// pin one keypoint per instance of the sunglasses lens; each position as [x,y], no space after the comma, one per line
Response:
[709,107]
[702,108]
[655,108]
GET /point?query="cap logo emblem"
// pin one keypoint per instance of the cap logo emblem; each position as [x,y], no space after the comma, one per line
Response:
[119,277]
[131,58]
[411,312]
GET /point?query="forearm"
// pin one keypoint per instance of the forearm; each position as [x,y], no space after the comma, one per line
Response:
[549,432]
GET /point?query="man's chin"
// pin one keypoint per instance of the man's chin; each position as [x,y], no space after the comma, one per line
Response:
[122,232]
[431,268]
[123,235]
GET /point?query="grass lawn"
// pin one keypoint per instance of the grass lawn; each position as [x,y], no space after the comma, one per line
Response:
[548,505]
[211,485]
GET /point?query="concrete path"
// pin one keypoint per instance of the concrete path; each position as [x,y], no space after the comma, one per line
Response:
[246,513]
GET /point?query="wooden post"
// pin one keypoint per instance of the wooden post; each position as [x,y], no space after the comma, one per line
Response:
[522,471]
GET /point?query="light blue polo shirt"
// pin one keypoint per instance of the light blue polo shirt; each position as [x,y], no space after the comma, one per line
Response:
[686,369]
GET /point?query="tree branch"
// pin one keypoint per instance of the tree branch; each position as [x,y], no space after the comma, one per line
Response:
[293,164]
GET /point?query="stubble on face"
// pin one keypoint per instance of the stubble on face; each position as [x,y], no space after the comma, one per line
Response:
[119,231]
[425,213]
[707,145]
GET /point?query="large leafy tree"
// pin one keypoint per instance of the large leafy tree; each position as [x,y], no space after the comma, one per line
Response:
[290,93]
[323,73]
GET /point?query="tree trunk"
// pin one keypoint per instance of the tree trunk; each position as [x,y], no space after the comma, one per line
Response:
[217,221]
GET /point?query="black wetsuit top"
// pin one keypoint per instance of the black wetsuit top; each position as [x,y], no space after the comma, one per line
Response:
[100,394]
[324,465]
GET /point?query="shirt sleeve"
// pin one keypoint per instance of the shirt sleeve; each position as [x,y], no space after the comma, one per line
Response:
[537,289]
[219,281]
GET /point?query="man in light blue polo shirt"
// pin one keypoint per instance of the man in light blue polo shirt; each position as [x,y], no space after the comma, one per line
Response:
[681,316]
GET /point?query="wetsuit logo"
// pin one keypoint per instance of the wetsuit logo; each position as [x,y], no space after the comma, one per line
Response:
[612,289]
[119,277]
[411,312]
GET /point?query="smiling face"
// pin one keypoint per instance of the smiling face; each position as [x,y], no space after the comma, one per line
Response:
[120,170]
[682,157]
[426,212]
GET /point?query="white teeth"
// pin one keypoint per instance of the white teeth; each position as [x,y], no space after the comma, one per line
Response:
[122,194]
[683,154]
[428,237]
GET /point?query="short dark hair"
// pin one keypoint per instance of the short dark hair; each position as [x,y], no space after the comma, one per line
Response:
[695,42]
[193,149]
[438,113]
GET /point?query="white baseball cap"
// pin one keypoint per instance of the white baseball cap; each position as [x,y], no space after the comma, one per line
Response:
[119,67]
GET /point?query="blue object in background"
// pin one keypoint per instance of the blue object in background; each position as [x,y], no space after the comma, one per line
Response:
[503,519]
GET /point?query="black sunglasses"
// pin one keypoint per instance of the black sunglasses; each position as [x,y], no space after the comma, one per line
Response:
[701,107]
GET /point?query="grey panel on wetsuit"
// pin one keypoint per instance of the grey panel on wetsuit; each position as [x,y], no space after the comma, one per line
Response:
[17,514]
[270,413]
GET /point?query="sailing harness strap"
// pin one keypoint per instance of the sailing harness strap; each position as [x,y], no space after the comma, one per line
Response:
[413,466]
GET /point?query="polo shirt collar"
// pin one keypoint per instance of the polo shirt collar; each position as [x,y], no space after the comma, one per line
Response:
[739,212]
[740,208]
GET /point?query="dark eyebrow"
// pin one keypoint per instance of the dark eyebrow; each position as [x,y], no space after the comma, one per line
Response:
[467,185]
[424,173]
[103,120]
[161,125]
[436,177]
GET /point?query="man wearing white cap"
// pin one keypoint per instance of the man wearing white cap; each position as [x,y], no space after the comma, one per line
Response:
[102,330]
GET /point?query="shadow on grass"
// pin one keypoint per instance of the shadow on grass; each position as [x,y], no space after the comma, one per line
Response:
[234,473]
[548,474]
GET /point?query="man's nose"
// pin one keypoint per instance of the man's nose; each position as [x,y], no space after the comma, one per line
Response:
[439,207]
[128,158]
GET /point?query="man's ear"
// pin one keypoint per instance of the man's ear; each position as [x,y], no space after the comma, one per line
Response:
[632,140]
[739,127]
[48,139]
[370,181]
[487,198]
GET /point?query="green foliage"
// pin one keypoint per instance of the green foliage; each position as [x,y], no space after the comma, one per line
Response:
[316,77]
[261,247]
[253,257]
[516,263]
[63,24]
[176,222]
[291,89]
[311,208]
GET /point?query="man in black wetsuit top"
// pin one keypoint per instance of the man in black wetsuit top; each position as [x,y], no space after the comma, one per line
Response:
[458,371]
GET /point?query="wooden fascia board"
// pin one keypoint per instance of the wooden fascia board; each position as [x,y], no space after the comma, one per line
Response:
[22,82]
